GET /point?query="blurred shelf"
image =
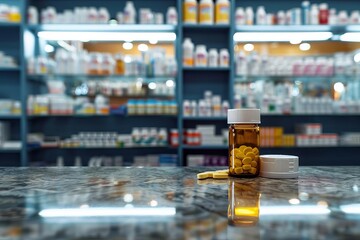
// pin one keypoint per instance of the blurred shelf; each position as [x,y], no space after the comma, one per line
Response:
[10,24]
[98,148]
[291,28]
[187,147]
[240,79]
[206,68]
[7,69]
[195,118]
[10,150]
[99,116]
[104,27]
[44,77]
[10,116]
[337,29]
[206,26]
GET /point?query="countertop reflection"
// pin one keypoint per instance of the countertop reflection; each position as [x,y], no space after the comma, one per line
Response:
[170,203]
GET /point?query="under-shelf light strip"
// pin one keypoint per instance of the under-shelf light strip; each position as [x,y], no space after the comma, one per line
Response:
[281,36]
[107,36]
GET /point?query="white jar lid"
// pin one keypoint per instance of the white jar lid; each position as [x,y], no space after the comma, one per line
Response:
[279,166]
[243,115]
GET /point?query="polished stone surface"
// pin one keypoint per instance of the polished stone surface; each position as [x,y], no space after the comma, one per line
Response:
[170,203]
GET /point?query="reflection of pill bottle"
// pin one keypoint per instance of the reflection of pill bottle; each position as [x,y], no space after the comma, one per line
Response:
[244,141]
[244,205]
[190,11]
[206,12]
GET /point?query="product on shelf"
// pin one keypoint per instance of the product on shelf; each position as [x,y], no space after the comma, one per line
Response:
[210,106]
[306,14]
[204,135]
[151,107]
[206,160]
[350,139]
[7,61]
[190,11]
[222,12]
[10,107]
[139,137]
[162,160]
[101,15]
[4,133]
[201,57]
[206,12]
[152,63]
[9,13]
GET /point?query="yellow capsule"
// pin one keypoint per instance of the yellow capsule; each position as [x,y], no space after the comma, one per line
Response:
[246,160]
[246,166]
[255,150]
[220,175]
[254,164]
[239,170]
[238,162]
[253,170]
[242,147]
[223,170]
[250,155]
[204,175]
[247,149]
[240,155]
[234,151]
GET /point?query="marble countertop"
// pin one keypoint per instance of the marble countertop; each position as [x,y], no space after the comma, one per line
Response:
[170,203]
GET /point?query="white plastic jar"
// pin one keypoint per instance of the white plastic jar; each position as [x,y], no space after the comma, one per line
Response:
[201,56]
[213,59]
[224,57]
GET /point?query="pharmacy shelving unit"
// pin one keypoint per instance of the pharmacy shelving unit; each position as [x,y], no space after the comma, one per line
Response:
[196,80]
[331,123]
[12,86]
[50,125]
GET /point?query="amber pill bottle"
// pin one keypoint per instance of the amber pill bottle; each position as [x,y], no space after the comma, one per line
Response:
[244,141]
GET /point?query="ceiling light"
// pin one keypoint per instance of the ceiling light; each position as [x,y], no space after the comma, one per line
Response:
[107,36]
[170,83]
[295,41]
[248,47]
[127,45]
[304,46]
[143,47]
[49,48]
[339,87]
[152,85]
[350,37]
[281,36]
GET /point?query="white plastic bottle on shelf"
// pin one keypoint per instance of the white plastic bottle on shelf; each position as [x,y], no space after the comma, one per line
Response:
[193,108]
[343,18]
[314,14]
[240,16]
[188,52]
[355,17]
[224,108]
[190,11]
[186,108]
[51,15]
[213,59]
[224,57]
[103,16]
[92,15]
[305,5]
[281,18]
[201,56]
[260,16]
[249,16]
[332,17]
[162,137]
[33,15]
[129,13]
[222,12]
[171,16]
[206,12]
[241,64]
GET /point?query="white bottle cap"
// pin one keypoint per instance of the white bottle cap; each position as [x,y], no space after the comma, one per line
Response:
[243,116]
[279,166]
